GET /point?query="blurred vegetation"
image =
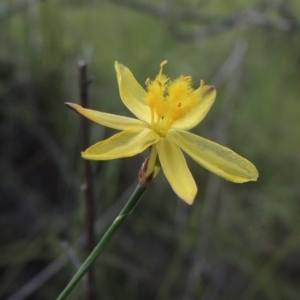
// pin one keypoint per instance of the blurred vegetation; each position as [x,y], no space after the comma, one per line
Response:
[236,241]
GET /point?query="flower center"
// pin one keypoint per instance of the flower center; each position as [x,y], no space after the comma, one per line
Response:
[169,100]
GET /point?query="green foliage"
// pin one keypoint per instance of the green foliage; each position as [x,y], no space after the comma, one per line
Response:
[236,241]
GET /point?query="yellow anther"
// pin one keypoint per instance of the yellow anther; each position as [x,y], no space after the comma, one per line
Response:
[159,82]
[169,100]
[201,83]
[187,78]
[163,63]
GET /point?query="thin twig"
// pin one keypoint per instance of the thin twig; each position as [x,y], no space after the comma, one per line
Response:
[84,82]
[37,281]
[110,233]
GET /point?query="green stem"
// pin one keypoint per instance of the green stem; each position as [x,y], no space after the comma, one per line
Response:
[126,211]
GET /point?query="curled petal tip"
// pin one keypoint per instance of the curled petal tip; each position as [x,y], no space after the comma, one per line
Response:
[255,177]
[72,106]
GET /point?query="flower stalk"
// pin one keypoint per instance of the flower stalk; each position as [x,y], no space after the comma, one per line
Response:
[125,212]
[165,112]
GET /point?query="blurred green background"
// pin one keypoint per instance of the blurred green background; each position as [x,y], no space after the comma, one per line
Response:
[236,241]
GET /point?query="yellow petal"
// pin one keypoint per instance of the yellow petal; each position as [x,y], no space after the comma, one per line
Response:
[108,120]
[176,170]
[214,157]
[132,94]
[123,144]
[206,95]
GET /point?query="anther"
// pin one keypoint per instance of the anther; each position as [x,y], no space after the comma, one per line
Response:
[163,63]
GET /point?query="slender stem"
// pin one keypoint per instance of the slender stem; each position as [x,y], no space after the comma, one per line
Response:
[84,82]
[126,211]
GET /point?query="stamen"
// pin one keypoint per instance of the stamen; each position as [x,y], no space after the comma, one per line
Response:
[169,100]
[161,67]
[163,63]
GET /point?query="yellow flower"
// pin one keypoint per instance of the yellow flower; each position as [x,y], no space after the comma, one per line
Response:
[165,111]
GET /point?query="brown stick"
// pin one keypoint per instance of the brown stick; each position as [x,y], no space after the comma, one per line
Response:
[84,82]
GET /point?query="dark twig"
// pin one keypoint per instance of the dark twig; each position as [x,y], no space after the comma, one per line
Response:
[88,187]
